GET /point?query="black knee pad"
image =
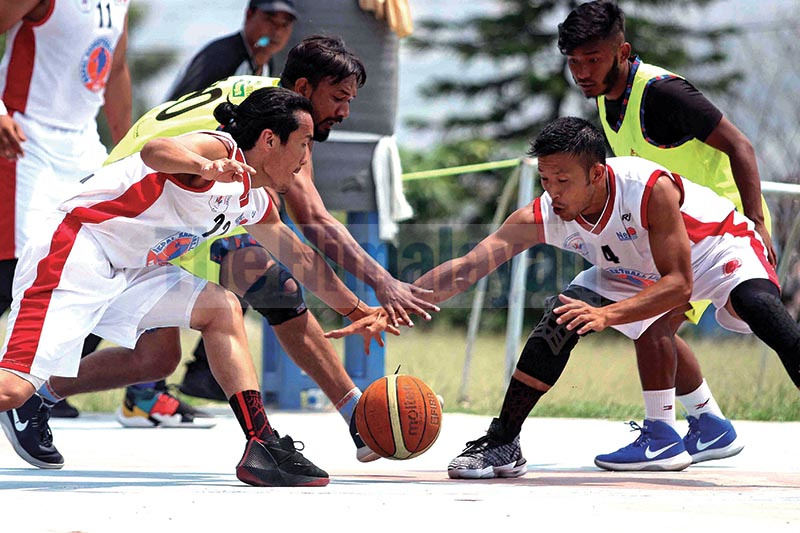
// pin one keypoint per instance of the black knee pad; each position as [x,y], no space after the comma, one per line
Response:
[549,345]
[270,297]
[758,303]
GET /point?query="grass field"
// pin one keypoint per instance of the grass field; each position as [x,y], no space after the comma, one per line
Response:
[600,381]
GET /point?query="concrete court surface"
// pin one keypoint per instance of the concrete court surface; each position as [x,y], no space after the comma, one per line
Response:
[182,480]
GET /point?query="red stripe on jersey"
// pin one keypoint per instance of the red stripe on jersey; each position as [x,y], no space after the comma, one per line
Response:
[20,69]
[24,340]
[139,197]
[608,209]
[537,212]
[698,231]
[268,211]
[46,17]
[235,153]
[8,195]
[244,199]
[648,189]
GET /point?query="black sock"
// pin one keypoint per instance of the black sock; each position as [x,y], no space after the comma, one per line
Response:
[249,410]
[517,405]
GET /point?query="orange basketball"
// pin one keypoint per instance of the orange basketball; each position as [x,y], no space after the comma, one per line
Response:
[398,416]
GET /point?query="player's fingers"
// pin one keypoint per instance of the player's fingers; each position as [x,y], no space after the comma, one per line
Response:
[393,330]
[390,314]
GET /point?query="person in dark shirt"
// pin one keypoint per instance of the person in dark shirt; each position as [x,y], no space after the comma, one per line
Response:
[649,112]
[266,31]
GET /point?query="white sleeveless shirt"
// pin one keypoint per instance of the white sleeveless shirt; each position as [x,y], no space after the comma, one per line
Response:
[55,70]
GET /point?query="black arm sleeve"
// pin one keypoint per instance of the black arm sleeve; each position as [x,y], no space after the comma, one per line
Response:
[218,60]
[675,110]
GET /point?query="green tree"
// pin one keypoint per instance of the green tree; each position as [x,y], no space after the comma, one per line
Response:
[528,83]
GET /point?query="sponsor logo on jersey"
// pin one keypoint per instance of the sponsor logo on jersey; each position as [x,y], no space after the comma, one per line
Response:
[240,220]
[628,235]
[634,277]
[731,266]
[575,243]
[219,204]
[96,64]
[238,89]
[172,247]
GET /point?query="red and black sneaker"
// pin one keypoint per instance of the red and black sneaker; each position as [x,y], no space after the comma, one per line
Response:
[277,462]
[148,407]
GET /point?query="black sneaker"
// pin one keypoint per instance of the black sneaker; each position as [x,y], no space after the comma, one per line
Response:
[30,435]
[363,452]
[276,462]
[199,382]
[64,409]
[490,456]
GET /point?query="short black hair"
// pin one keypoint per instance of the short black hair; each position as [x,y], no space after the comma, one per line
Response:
[268,108]
[571,135]
[318,57]
[590,22]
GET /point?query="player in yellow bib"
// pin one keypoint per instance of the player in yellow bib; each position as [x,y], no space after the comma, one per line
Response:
[652,113]
[323,70]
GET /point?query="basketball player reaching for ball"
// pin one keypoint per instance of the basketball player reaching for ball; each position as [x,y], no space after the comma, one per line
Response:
[97,265]
[691,244]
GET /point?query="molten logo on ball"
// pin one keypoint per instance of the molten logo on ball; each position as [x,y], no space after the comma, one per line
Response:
[399,417]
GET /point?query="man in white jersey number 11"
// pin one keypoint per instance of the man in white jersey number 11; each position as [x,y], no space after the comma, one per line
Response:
[656,241]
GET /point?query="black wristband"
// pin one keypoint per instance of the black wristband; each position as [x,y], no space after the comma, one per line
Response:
[354,309]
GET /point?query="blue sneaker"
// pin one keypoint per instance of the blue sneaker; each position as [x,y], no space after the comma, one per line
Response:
[659,447]
[711,437]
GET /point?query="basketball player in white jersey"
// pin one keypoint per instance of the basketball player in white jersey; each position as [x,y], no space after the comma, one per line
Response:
[63,61]
[656,241]
[102,264]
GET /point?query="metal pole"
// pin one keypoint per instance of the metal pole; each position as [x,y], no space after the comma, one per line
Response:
[519,269]
[480,291]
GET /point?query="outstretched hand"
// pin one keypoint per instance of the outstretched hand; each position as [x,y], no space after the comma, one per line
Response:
[225,170]
[401,299]
[370,327]
[578,314]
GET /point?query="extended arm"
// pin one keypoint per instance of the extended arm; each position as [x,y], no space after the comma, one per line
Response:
[671,250]
[332,238]
[313,272]
[518,233]
[193,158]
[118,90]
[727,138]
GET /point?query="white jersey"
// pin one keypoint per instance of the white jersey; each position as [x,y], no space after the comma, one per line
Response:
[724,245]
[55,70]
[141,217]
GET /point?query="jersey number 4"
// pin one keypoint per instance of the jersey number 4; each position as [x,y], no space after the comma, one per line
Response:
[609,255]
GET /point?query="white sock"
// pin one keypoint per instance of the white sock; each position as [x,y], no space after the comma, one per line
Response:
[660,405]
[700,401]
[347,404]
